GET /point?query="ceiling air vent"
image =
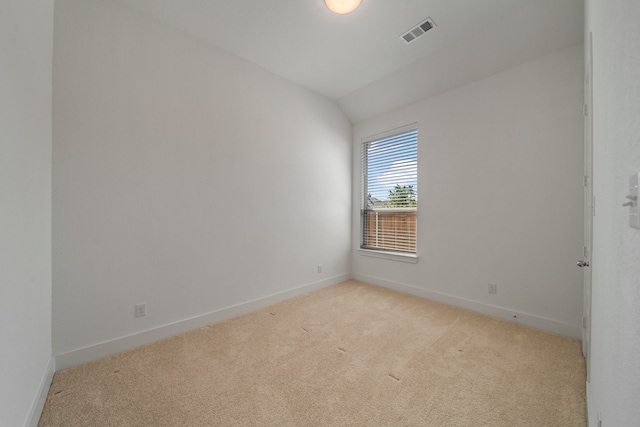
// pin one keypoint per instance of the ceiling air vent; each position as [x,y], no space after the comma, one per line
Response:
[418,30]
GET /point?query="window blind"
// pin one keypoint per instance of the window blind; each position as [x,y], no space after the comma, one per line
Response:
[389,202]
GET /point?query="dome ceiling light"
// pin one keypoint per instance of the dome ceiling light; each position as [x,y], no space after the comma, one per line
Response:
[342,6]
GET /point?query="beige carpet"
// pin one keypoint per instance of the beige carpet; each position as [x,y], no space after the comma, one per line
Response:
[349,355]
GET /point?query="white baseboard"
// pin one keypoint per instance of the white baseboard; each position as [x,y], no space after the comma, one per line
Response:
[479,307]
[106,348]
[43,391]
[592,418]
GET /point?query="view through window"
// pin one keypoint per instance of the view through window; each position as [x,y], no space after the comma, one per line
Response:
[389,204]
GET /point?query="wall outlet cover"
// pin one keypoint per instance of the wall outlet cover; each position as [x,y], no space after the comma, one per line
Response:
[141,310]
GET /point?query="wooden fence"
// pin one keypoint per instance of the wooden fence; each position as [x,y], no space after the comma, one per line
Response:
[391,229]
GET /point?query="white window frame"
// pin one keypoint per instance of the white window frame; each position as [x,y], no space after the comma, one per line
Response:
[403,256]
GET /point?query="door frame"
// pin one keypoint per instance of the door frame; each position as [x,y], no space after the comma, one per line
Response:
[589,202]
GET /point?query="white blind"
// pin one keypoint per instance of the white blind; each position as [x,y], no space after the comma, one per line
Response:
[389,201]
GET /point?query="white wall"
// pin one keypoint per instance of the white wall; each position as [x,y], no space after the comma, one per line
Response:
[185,178]
[500,195]
[26,33]
[614,390]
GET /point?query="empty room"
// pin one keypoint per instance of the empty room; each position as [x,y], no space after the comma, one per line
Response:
[310,212]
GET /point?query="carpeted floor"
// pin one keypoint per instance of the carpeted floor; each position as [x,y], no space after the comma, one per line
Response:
[349,355]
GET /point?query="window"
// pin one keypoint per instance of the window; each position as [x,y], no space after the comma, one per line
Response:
[389,203]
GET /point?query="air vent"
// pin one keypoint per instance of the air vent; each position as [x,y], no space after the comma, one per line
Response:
[417,31]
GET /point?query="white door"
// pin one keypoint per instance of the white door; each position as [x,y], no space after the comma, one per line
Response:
[588,203]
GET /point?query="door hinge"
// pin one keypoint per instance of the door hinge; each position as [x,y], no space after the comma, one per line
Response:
[586,180]
[586,110]
[584,251]
[584,322]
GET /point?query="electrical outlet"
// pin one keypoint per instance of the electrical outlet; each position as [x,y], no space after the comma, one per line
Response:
[319,268]
[141,309]
[493,288]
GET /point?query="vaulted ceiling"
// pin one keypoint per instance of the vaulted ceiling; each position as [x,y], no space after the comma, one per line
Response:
[359,60]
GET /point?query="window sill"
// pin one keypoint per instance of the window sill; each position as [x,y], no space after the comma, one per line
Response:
[393,256]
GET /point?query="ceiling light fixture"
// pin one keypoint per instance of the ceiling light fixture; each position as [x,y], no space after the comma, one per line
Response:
[342,6]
